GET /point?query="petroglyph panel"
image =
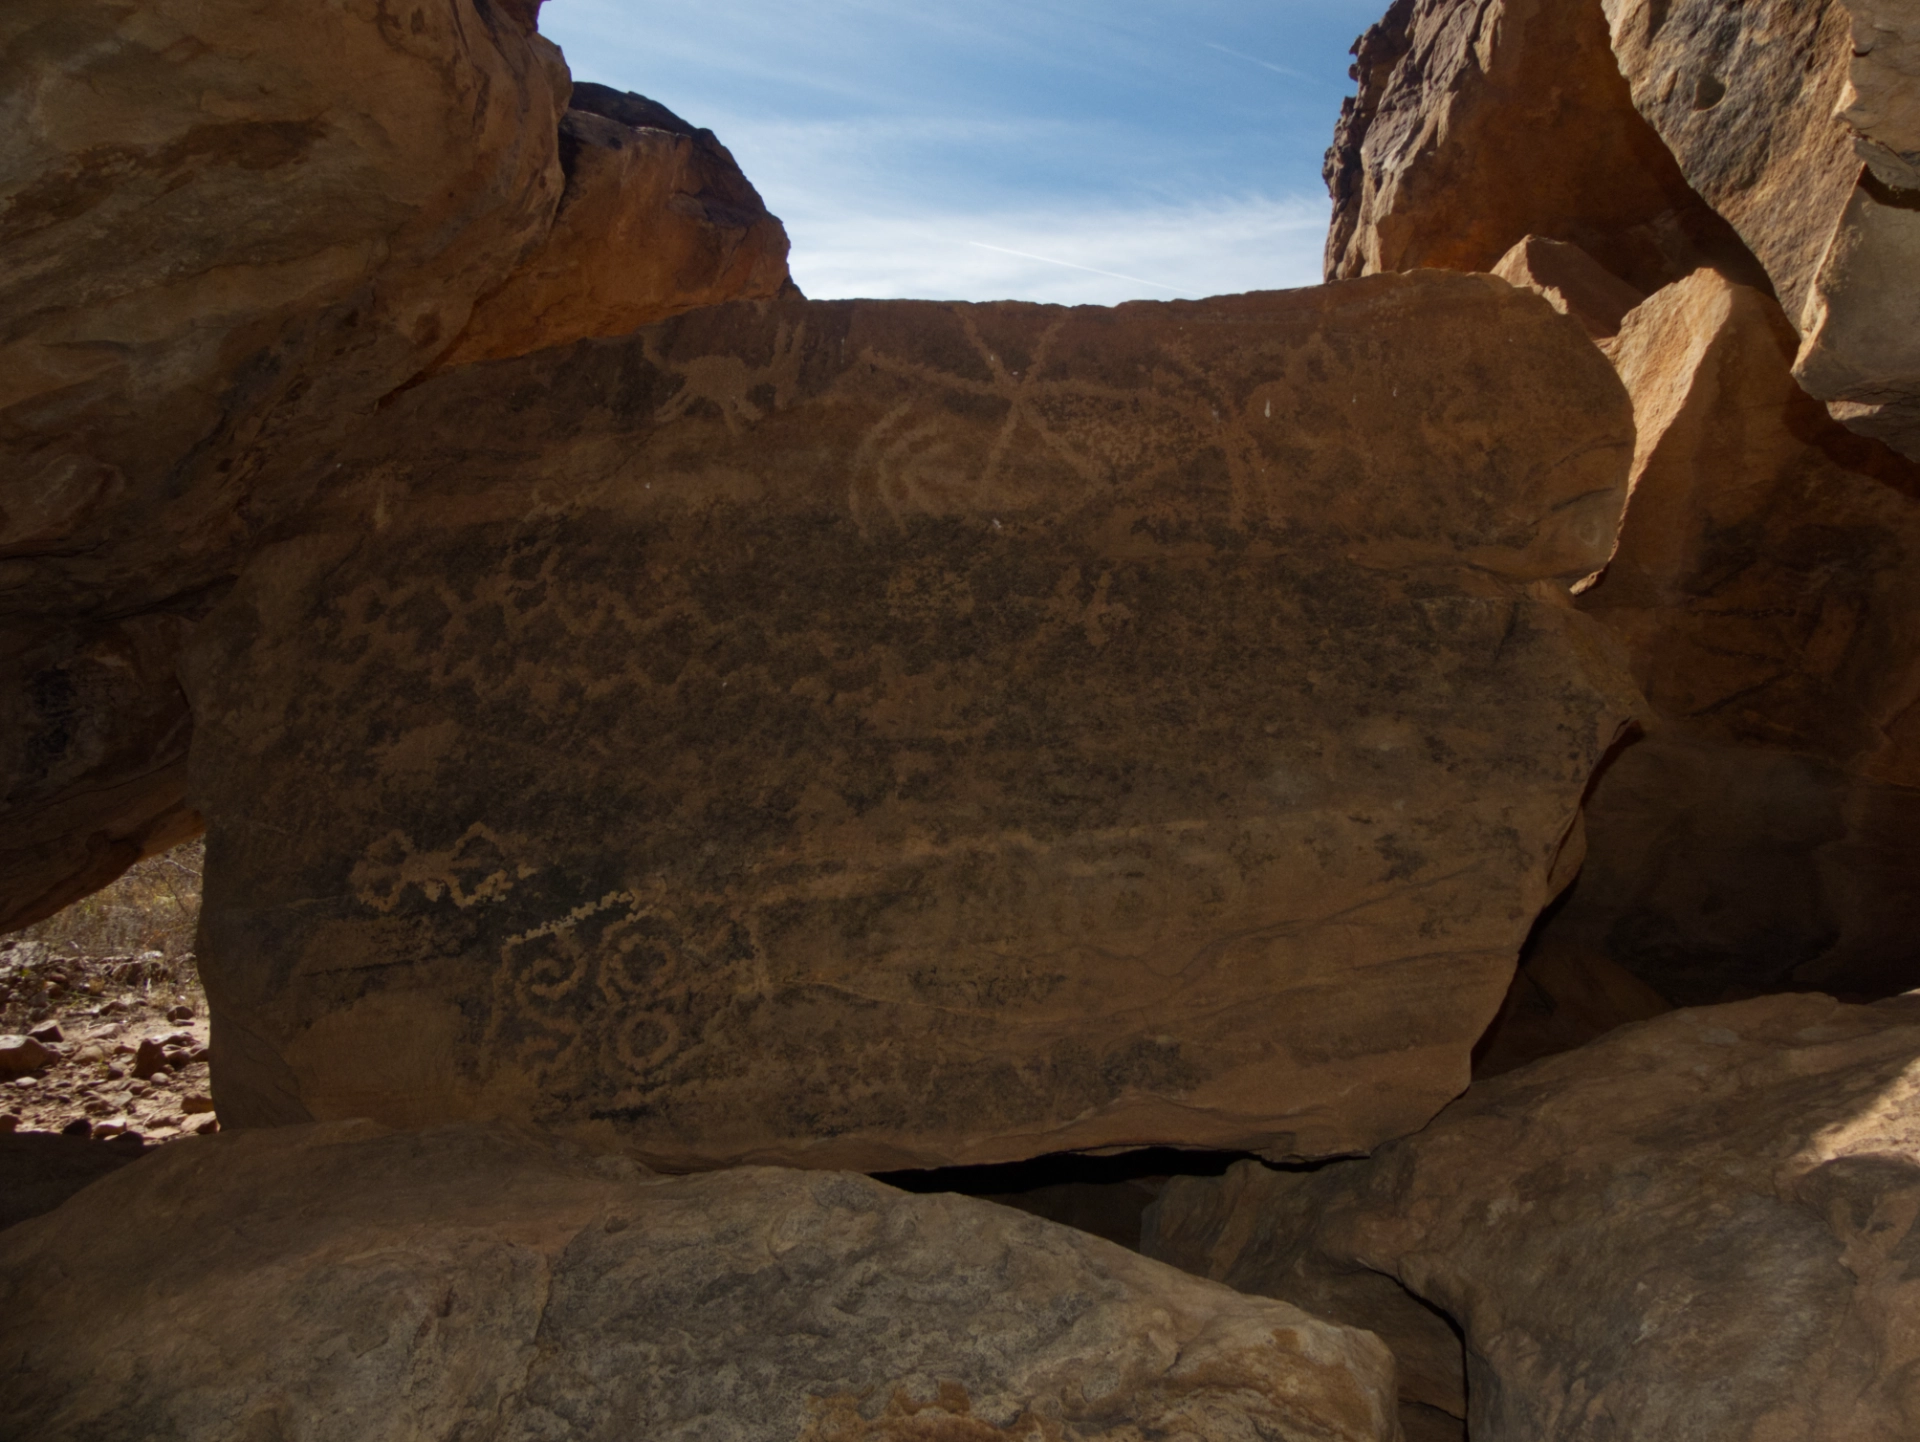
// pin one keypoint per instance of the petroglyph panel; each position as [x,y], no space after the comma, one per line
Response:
[879,734]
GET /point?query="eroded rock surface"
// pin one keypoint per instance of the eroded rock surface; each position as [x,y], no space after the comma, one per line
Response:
[1482,122]
[227,232]
[882,734]
[39,1171]
[318,195]
[1572,282]
[93,748]
[1795,120]
[656,219]
[1700,1227]
[1767,586]
[356,1284]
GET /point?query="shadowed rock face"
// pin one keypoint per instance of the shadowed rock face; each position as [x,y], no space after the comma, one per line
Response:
[879,734]
[355,1286]
[1767,587]
[1699,1226]
[318,196]
[223,228]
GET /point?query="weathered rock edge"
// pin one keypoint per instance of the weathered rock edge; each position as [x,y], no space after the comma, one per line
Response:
[347,1283]
[1699,1226]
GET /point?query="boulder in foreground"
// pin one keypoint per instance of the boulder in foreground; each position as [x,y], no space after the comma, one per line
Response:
[345,1284]
[881,734]
[1701,1226]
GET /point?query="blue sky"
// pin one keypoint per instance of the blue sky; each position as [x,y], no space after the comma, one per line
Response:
[1056,150]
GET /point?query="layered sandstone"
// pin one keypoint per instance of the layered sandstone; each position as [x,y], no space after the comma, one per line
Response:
[318,198]
[1696,1227]
[1572,282]
[321,193]
[1776,142]
[347,1283]
[881,734]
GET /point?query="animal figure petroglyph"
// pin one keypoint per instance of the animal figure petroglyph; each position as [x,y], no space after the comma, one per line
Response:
[727,383]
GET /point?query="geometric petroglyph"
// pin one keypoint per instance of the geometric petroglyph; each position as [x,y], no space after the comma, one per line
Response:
[476,868]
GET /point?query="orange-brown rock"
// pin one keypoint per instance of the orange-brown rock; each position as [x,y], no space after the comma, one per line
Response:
[319,194]
[1767,586]
[351,1285]
[1573,283]
[881,734]
[1700,1226]
[1482,122]
[1768,573]
[656,219]
[224,229]
[1260,1234]
[1569,989]
[1795,120]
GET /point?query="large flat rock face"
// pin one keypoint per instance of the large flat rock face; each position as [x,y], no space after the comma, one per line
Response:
[345,1285]
[224,226]
[877,734]
[1701,1226]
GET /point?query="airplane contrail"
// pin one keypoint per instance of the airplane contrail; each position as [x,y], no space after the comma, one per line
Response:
[1276,69]
[1090,270]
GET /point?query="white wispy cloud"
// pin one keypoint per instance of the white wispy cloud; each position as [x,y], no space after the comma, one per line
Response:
[870,212]
[1049,150]
[1069,257]
[1072,265]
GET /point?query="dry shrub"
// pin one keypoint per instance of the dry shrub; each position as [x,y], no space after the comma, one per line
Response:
[154,907]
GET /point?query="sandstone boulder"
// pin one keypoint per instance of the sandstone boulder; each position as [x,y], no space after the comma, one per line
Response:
[656,219]
[40,1170]
[897,734]
[227,231]
[1572,282]
[22,1054]
[223,227]
[1482,122]
[1795,120]
[1699,1227]
[341,1282]
[320,194]
[1767,587]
